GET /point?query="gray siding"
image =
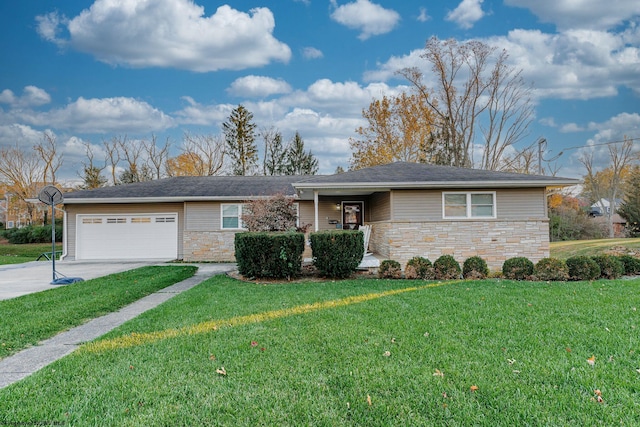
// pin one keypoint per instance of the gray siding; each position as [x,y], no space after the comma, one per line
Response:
[380,207]
[107,209]
[416,205]
[202,216]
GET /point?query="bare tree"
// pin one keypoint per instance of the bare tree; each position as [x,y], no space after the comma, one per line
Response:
[113,156]
[473,100]
[22,172]
[51,159]
[156,156]
[608,183]
[92,173]
[131,151]
[202,155]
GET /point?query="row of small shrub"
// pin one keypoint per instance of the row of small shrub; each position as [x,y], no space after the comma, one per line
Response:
[443,268]
[279,255]
[32,234]
[517,268]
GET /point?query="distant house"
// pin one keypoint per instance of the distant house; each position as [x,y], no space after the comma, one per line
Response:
[603,207]
[413,209]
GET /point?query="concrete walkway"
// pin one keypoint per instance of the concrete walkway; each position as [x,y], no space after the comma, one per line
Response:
[30,360]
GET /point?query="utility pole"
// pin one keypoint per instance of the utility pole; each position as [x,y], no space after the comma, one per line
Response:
[541,141]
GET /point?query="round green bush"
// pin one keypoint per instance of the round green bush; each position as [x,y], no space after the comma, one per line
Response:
[552,269]
[475,268]
[517,268]
[390,269]
[631,264]
[446,267]
[610,266]
[582,268]
[419,268]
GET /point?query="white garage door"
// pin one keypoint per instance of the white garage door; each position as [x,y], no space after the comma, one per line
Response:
[140,236]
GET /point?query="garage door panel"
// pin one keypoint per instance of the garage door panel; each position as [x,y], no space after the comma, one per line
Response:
[142,236]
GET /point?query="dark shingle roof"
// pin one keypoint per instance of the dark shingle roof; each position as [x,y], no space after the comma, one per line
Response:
[405,172]
[194,187]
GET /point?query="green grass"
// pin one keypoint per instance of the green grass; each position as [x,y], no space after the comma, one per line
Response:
[523,345]
[28,319]
[564,250]
[17,254]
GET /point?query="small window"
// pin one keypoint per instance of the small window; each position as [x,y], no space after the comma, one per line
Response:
[166,219]
[231,216]
[469,205]
[116,220]
[92,220]
[140,220]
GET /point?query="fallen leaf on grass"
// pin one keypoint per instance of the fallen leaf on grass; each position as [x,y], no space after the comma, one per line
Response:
[212,357]
[221,371]
[473,388]
[254,343]
[369,400]
[592,360]
[511,361]
[597,392]
[438,373]
[386,354]
[393,340]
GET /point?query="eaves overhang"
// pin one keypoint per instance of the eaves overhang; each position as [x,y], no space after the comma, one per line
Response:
[174,199]
[435,184]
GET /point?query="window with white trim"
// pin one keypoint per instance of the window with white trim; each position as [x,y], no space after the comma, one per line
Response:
[469,204]
[231,216]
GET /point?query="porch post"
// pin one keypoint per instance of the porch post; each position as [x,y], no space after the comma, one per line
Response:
[315,208]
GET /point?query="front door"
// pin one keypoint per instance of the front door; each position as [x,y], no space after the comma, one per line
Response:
[352,215]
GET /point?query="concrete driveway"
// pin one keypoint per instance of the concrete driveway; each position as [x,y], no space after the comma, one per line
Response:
[36,276]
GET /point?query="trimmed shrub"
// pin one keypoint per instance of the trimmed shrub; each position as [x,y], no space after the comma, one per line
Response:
[32,234]
[446,267]
[419,268]
[269,255]
[517,268]
[551,269]
[631,264]
[337,253]
[475,268]
[610,266]
[582,268]
[390,269]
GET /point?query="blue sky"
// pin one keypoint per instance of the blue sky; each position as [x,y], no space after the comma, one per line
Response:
[88,71]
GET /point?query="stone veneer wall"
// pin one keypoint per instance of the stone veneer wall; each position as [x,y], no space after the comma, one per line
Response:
[216,246]
[494,240]
[209,246]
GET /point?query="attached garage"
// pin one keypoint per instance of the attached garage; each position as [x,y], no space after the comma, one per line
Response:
[127,236]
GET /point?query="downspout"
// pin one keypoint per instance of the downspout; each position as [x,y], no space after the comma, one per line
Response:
[64,235]
[315,208]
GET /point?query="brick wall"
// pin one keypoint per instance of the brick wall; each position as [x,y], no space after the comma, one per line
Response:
[494,241]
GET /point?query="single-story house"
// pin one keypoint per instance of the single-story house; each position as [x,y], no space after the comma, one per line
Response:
[413,210]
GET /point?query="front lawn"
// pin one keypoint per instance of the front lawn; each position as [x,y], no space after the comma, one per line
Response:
[357,352]
[17,254]
[29,319]
[567,249]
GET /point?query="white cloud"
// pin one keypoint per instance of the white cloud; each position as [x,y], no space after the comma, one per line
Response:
[171,33]
[312,53]
[423,16]
[589,14]
[32,96]
[570,128]
[103,115]
[21,135]
[467,13]
[575,64]
[258,86]
[369,18]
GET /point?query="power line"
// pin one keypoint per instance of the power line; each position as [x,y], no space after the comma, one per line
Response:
[600,144]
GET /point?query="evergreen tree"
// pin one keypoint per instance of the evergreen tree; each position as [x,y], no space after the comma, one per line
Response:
[239,133]
[630,208]
[92,178]
[274,153]
[299,161]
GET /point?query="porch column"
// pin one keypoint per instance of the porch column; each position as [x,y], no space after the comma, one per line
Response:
[315,208]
